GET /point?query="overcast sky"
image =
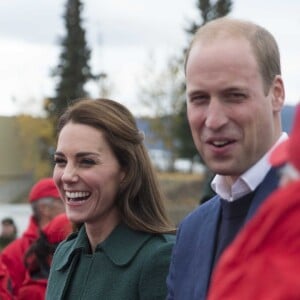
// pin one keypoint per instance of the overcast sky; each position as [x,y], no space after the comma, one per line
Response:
[121,35]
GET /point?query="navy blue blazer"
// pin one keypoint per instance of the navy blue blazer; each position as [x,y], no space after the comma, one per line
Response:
[192,258]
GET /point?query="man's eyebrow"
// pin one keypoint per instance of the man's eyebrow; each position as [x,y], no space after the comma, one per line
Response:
[235,88]
[195,92]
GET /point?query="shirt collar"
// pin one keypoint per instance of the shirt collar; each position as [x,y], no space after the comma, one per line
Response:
[248,181]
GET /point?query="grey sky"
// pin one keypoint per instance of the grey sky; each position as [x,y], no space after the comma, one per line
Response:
[121,34]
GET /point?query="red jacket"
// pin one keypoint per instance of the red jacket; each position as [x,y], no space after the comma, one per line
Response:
[12,255]
[32,289]
[5,284]
[35,283]
[263,262]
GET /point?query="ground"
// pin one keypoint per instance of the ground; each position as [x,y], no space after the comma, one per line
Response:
[182,191]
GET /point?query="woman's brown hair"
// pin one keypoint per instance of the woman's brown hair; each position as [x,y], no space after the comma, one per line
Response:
[140,199]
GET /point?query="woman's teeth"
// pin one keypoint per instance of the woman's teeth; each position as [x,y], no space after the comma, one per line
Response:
[74,196]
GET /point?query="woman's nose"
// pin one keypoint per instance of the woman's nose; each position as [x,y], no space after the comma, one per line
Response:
[70,174]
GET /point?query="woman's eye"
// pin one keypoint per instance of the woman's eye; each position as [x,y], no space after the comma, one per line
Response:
[59,161]
[87,162]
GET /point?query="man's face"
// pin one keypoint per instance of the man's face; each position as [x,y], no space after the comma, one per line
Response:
[8,230]
[57,207]
[48,210]
[231,118]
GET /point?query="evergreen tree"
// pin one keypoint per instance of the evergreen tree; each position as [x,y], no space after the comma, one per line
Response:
[159,93]
[73,70]
[164,93]
[208,11]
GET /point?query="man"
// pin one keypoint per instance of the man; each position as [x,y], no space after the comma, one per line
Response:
[8,232]
[263,262]
[46,204]
[235,94]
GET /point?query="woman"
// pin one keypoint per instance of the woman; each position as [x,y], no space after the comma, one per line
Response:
[103,172]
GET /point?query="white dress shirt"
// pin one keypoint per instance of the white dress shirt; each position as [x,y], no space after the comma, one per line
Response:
[248,181]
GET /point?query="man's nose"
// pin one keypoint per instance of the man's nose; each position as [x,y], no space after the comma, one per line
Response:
[215,115]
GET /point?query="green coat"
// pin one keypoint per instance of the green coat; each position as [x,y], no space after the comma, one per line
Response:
[128,265]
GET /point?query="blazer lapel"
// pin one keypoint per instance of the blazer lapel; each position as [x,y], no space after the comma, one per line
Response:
[268,185]
[206,247]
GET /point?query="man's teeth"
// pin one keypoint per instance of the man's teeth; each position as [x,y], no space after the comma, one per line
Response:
[220,143]
[74,195]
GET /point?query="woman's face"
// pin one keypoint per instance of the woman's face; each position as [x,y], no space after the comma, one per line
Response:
[88,175]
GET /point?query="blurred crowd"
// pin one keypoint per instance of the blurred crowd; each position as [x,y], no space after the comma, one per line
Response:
[25,260]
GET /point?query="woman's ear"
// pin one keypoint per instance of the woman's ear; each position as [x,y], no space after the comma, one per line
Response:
[122,175]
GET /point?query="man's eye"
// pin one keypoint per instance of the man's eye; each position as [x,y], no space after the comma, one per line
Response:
[237,96]
[199,98]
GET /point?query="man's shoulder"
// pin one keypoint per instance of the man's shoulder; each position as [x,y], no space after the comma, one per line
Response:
[204,209]
[199,222]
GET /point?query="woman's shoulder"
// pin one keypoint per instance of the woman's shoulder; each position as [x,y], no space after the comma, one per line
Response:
[155,259]
[159,244]
[163,239]
[126,245]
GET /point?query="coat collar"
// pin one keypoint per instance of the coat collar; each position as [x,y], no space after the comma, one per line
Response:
[123,244]
[120,247]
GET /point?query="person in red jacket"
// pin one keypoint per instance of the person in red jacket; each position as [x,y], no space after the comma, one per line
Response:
[263,262]
[39,256]
[46,204]
[5,283]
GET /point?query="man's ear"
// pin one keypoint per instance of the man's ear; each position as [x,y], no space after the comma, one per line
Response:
[278,93]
